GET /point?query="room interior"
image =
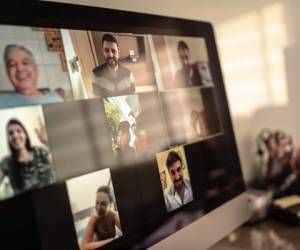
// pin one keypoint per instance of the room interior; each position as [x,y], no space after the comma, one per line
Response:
[258,45]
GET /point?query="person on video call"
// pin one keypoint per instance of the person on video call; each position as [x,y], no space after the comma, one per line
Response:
[198,124]
[104,226]
[180,192]
[111,78]
[27,166]
[124,150]
[22,72]
[191,74]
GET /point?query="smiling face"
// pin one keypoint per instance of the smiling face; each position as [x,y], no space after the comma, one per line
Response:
[176,174]
[16,137]
[102,203]
[110,52]
[21,71]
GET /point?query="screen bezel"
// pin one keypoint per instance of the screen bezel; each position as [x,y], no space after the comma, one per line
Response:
[60,15]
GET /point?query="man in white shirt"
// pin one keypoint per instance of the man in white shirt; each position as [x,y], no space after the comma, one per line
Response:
[180,192]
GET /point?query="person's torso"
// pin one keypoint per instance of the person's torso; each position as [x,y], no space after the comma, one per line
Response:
[15,99]
[105,229]
[112,85]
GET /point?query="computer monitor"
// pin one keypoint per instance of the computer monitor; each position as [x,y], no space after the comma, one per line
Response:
[115,131]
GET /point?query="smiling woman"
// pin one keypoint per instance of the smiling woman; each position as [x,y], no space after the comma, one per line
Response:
[22,72]
[27,166]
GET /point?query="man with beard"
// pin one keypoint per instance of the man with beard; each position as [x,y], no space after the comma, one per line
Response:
[111,78]
[191,74]
[180,192]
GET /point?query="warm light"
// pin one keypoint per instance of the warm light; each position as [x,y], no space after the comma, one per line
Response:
[252,53]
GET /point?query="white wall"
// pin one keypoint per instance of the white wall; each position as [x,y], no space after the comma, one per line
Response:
[82,190]
[258,45]
[49,65]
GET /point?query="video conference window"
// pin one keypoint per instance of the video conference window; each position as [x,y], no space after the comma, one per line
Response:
[175,179]
[183,61]
[32,67]
[143,94]
[187,117]
[116,64]
[25,157]
[128,136]
[94,209]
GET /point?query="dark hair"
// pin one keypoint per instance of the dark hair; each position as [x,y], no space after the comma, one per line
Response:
[14,152]
[172,158]
[182,45]
[106,190]
[124,126]
[109,38]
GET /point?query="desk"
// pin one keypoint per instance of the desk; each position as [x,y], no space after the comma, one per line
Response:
[269,234]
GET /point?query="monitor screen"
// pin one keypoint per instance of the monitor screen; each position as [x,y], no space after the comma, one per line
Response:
[115,128]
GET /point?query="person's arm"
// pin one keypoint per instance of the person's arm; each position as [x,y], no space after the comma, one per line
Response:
[87,242]
[89,233]
[43,137]
[41,132]
[95,245]
[117,221]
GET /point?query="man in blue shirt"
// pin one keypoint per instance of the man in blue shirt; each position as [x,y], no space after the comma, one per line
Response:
[22,72]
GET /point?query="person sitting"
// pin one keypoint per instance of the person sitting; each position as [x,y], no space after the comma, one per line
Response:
[112,78]
[180,192]
[22,72]
[104,226]
[27,166]
[191,74]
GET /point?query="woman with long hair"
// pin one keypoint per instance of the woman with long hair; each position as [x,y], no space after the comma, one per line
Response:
[27,166]
[103,227]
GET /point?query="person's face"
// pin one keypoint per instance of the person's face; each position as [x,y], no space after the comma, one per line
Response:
[204,71]
[21,71]
[176,174]
[184,56]
[16,136]
[111,53]
[102,203]
[123,138]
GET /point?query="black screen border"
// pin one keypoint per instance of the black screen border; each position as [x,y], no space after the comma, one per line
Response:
[68,16]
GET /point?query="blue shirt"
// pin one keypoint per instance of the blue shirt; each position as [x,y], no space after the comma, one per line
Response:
[15,99]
